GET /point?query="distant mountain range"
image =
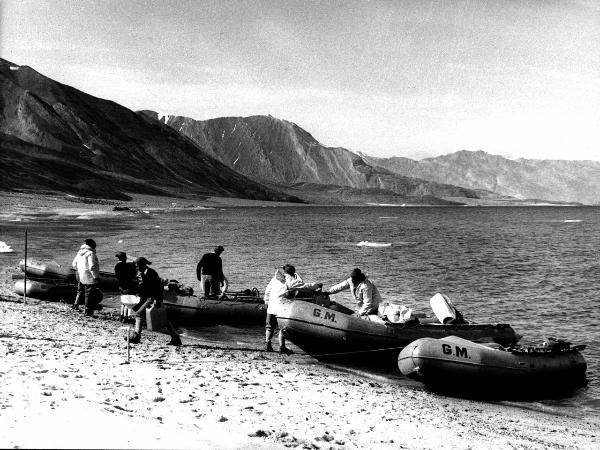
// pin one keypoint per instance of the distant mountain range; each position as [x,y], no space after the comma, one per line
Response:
[54,137]
[280,153]
[556,180]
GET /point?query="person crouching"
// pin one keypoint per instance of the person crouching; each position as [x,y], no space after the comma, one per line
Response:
[151,292]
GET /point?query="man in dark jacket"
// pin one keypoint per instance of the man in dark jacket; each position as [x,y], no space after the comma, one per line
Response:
[151,292]
[126,274]
[210,272]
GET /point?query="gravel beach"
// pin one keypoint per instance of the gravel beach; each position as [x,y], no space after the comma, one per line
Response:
[67,384]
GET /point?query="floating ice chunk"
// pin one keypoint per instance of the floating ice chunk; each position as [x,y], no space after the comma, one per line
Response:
[374,244]
[5,248]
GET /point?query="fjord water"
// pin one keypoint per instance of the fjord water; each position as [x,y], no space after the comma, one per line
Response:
[537,269]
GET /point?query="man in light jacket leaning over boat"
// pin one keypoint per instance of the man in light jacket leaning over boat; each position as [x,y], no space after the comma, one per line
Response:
[283,285]
[364,291]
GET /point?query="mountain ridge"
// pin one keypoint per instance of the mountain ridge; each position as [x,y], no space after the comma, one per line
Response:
[80,133]
[272,150]
[557,180]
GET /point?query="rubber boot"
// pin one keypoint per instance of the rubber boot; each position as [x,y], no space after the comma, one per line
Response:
[175,340]
[268,337]
[282,348]
[135,338]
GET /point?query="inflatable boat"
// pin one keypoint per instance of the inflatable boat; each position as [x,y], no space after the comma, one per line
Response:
[244,308]
[54,271]
[337,335]
[54,290]
[459,366]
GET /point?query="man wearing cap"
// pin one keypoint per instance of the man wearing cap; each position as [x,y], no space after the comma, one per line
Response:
[210,272]
[365,293]
[126,274]
[87,270]
[151,292]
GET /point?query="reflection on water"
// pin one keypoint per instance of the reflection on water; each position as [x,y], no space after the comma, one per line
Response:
[535,268]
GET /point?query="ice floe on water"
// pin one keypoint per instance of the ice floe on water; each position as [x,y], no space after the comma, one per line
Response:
[385,204]
[5,248]
[374,244]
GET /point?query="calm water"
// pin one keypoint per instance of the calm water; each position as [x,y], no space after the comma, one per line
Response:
[535,268]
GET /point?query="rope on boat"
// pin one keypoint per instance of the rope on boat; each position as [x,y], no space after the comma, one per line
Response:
[358,351]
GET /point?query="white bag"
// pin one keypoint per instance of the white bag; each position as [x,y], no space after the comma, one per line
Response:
[395,313]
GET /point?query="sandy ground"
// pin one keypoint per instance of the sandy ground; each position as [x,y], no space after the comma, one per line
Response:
[66,383]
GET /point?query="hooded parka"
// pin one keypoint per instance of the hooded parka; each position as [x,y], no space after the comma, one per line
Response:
[86,265]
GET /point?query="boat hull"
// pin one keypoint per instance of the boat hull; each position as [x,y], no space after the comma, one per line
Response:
[456,365]
[46,290]
[193,311]
[331,335]
[51,270]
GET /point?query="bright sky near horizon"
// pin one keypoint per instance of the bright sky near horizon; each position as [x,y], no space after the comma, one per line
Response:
[518,78]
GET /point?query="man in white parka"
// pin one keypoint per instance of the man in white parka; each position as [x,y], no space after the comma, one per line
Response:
[87,268]
[364,291]
[281,286]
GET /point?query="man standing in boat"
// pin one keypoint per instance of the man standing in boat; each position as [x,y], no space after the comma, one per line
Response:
[87,269]
[210,272]
[364,291]
[284,284]
[151,293]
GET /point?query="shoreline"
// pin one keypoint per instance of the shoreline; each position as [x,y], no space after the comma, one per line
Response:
[61,371]
[13,202]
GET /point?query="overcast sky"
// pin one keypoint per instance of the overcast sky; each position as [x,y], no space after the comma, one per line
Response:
[388,78]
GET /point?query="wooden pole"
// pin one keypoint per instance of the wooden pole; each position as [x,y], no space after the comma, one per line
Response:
[25,270]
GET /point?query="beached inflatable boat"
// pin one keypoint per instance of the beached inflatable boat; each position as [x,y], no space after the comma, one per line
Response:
[54,290]
[460,366]
[242,308]
[52,270]
[334,335]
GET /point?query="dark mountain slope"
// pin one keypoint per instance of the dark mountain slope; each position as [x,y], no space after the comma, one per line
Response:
[103,139]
